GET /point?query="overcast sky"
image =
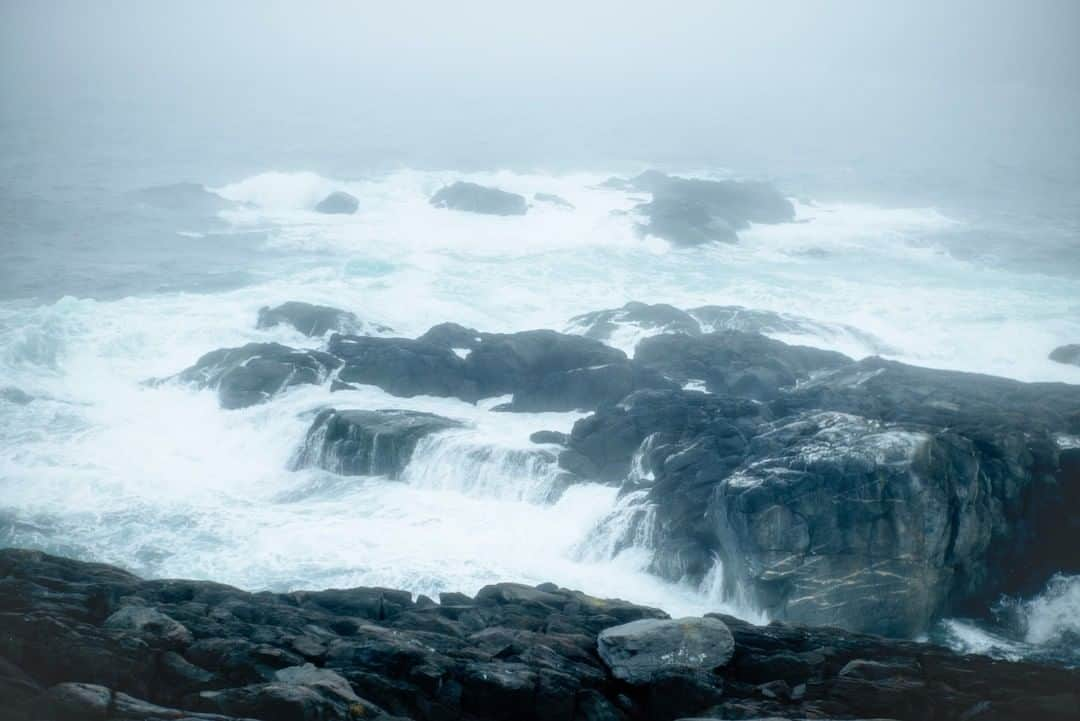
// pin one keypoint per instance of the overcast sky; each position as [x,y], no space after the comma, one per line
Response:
[563,82]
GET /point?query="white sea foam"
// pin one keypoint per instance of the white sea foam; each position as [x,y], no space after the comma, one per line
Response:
[164,481]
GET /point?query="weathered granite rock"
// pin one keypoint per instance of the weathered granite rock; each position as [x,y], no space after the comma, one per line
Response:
[640,651]
[512,652]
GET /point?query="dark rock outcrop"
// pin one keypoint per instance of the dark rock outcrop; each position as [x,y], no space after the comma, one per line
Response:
[256,372]
[367,443]
[876,496]
[475,198]
[495,363]
[512,652]
[586,388]
[505,362]
[316,320]
[735,363]
[403,367]
[692,211]
[1068,354]
[338,203]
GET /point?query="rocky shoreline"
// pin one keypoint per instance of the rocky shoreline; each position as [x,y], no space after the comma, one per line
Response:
[90,641]
[867,494]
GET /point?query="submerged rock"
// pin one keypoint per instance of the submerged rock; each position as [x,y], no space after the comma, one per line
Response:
[552,199]
[188,197]
[256,372]
[539,653]
[1069,354]
[316,320]
[367,443]
[338,203]
[475,198]
[11,394]
[640,651]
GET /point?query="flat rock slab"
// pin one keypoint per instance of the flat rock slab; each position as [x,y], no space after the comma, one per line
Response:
[637,651]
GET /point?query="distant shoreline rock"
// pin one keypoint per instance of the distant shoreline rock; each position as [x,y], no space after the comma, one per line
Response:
[1068,354]
[693,211]
[474,198]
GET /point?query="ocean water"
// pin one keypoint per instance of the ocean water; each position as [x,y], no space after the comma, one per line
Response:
[101,291]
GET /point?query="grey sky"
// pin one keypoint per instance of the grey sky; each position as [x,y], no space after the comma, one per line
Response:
[562,82]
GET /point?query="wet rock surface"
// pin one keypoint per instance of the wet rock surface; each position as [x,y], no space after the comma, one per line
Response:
[256,372]
[368,443]
[875,496]
[735,363]
[510,652]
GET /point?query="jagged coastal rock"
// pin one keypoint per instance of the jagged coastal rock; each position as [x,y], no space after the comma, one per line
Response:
[875,496]
[87,641]
[869,494]
[338,203]
[474,198]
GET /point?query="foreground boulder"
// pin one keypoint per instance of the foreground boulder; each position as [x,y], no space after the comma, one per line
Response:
[640,651]
[338,203]
[1068,354]
[316,320]
[256,372]
[511,652]
[475,198]
[367,443]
